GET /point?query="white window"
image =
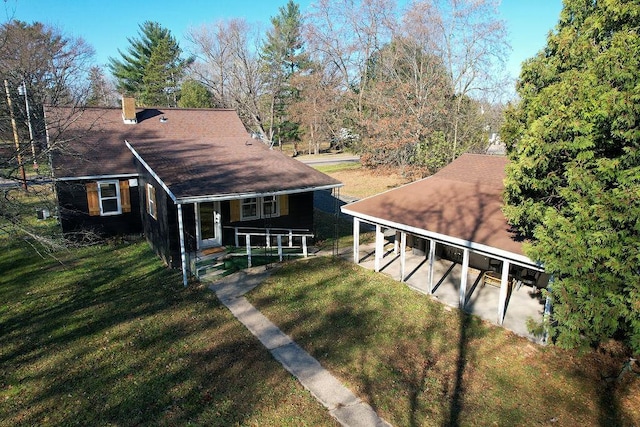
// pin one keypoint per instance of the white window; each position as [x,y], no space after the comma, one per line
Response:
[259,207]
[270,206]
[249,209]
[152,208]
[109,197]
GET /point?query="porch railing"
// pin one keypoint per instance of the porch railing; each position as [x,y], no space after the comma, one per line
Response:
[273,237]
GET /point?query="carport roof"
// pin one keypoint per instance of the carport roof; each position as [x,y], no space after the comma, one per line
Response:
[462,203]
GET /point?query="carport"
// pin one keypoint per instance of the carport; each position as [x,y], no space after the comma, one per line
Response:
[446,236]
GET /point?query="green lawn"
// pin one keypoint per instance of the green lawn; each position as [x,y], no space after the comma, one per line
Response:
[108,336]
[418,363]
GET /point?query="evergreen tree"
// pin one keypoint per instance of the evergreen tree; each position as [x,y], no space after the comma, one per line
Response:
[283,56]
[573,185]
[194,94]
[151,67]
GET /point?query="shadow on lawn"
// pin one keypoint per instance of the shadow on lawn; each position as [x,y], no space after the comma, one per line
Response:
[118,340]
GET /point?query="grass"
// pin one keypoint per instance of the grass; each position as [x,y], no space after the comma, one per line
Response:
[108,336]
[418,363]
[360,182]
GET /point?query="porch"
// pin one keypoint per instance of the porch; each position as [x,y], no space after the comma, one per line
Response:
[256,246]
[483,293]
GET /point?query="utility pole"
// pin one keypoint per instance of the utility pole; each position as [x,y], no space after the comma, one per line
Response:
[22,90]
[15,136]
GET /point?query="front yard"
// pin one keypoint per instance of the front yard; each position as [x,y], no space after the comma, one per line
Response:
[108,336]
[419,363]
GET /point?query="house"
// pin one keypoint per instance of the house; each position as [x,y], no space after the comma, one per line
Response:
[454,215]
[188,179]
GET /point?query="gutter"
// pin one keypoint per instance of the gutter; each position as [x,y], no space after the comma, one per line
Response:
[491,251]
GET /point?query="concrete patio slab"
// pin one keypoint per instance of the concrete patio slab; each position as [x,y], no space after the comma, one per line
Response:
[523,302]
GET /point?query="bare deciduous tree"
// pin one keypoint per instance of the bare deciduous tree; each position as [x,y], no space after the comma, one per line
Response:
[228,65]
[472,45]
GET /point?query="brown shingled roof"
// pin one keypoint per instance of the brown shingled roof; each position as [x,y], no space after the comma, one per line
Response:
[195,152]
[463,200]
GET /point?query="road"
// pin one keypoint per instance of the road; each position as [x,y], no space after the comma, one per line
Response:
[329,159]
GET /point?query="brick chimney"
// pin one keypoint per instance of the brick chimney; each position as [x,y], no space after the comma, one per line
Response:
[129,110]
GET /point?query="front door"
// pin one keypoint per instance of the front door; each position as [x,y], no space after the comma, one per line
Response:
[209,225]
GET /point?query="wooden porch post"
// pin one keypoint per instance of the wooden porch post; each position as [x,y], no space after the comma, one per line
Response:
[432,257]
[183,252]
[279,238]
[198,233]
[403,254]
[248,243]
[504,291]
[379,247]
[356,240]
[463,279]
[304,246]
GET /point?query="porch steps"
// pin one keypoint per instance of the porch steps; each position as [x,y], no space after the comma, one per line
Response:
[210,265]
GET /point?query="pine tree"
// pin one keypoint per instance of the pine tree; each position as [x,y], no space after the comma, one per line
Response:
[573,185]
[152,66]
[284,56]
[194,94]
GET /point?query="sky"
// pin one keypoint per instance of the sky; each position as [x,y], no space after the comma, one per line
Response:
[106,24]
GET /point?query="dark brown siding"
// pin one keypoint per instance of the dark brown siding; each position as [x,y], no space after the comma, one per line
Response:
[75,218]
[300,217]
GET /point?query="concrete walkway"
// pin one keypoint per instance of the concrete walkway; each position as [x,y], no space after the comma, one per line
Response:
[343,405]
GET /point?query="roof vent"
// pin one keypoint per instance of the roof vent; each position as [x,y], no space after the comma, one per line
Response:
[163,119]
[129,111]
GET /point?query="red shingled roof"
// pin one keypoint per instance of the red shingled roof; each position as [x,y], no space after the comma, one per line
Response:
[195,152]
[463,201]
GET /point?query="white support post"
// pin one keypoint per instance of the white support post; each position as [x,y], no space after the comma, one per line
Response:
[235,230]
[183,252]
[403,254]
[198,231]
[268,239]
[463,279]
[504,291]
[546,315]
[379,248]
[432,258]
[356,240]
[279,238]
[290,238]
[304,246]
[396,243]
[248,243]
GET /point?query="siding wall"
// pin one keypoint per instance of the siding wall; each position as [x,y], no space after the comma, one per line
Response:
[300,217]
[75,218]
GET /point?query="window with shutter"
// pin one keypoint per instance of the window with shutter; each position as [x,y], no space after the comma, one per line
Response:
[152,207]
[111,197]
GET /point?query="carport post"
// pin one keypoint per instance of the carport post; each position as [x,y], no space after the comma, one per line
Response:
[403,254]
[356,240]
[432,257]
[379,247]
[463,279]
[504,291]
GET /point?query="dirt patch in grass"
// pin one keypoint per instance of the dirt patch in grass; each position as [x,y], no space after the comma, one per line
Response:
[417,363]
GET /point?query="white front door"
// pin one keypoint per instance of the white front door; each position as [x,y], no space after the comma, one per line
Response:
[209,225]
